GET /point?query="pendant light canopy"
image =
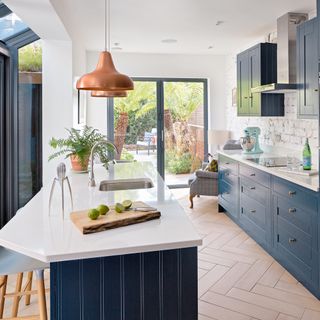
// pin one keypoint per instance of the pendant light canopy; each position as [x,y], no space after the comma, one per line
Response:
[105,80]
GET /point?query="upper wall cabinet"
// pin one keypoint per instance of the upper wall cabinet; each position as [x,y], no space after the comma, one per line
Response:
[307,67]
[255,67]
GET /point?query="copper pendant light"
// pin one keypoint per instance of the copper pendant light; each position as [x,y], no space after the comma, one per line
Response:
[109,94]
[105,78]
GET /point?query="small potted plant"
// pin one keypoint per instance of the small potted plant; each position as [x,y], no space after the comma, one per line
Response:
[78,147]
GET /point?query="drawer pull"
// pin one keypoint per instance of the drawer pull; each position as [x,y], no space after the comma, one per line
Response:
[292,240]
[253,211]
[292,193]
[227,163]
[252,175]
[252,188]
[292,210]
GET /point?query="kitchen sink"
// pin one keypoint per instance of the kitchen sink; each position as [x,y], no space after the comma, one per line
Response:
[126,184]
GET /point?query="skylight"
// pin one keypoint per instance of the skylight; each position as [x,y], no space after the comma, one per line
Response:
[10,25]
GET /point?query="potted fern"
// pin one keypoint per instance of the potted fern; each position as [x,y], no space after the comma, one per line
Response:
[77,146]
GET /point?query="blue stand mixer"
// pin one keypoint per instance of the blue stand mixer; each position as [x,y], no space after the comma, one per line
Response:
[250,142]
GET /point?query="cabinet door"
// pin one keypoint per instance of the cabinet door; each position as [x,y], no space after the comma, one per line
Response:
[307,46]
[254,81]
[243,83]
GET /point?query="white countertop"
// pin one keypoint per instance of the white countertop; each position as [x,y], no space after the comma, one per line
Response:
[310,182]
[50,239]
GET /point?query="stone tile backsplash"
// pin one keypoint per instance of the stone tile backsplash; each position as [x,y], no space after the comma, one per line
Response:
[288,131]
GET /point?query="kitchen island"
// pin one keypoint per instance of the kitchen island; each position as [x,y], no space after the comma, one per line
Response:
[279,210]
[143,271]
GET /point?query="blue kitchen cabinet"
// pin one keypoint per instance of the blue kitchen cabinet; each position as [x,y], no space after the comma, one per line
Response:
[229,186]
[296,231]
[281,216]
[255,67]
[255,214]
[307,69]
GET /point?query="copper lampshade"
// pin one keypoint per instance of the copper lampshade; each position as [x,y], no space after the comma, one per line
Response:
[105,77]
[108,94]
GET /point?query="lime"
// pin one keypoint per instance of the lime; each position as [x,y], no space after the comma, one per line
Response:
[93,214]
[103,209]
[127,204]
[119,207]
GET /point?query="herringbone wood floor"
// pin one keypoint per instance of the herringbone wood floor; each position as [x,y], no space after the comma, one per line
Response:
[238,280]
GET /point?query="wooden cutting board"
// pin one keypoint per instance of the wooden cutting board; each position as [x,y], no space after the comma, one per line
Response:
[112,219]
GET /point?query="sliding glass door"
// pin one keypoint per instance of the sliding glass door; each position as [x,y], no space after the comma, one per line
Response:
[184,129]
[135,123]
[163,121]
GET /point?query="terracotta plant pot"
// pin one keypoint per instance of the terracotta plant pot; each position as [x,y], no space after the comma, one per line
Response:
[76,164]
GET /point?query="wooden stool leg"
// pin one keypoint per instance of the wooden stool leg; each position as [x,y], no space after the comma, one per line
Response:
[3,291]
[16,300]
[41,294]
[29,287]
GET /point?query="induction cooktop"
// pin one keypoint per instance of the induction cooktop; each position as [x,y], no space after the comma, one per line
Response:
[270,162]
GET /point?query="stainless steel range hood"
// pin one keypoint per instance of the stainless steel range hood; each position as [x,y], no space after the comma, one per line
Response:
[286,55]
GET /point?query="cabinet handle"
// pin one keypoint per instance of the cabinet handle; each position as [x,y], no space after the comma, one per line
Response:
[316,90]
[246,97]
[292,240]
[252,175]
[227,163]
[292,193]
[252,211]
[250,97]
[292,210]
[252,188]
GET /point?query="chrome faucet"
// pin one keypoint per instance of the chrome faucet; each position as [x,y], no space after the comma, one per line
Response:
[92,182]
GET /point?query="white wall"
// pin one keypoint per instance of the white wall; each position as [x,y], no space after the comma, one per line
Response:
[57,98]
[211,67]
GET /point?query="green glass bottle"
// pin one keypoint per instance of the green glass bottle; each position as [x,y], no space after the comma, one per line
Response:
[306,156]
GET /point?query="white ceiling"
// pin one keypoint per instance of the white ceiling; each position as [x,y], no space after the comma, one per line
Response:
[140,25]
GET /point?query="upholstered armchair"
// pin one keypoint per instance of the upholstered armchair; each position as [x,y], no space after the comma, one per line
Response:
[205,183]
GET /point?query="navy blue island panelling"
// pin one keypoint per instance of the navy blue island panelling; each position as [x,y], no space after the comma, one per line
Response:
[161,285]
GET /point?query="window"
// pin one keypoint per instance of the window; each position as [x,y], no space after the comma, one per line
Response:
[20,114]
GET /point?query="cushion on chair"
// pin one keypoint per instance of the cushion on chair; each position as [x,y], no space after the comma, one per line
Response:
[212,166]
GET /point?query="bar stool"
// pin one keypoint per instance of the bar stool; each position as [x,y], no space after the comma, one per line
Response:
[15,263]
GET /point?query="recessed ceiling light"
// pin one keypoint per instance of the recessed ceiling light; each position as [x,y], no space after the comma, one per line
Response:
[169,40]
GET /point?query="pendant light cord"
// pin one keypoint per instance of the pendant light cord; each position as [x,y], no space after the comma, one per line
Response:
[107,24]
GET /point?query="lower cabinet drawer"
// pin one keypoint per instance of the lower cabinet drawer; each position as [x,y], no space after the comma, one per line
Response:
[305,199]
[295,241]
[295,253]
[228,177]
[255,191]
[254,218]
[228,198]
[292,213]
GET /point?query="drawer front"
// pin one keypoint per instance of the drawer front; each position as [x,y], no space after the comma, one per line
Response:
[227,176]
[228,198]
[228,192]
[253,210]
[228,164]
[298,196]
[295,241]
[294,214]
[255,191]
[256,175]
